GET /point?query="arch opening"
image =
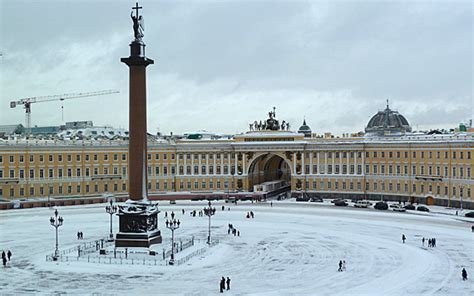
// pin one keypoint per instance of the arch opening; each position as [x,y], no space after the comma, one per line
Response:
[269,172]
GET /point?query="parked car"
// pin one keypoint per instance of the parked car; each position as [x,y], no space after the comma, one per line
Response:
[398,208]
[394,205]
[410,207]
[303,198]
[316,199]
[381,205]
[172,202]
[422,209]
[340,203]
[469,214]
[362,204]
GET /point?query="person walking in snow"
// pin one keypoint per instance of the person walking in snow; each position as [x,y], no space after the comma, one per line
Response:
[251,214]
[238,232]
[464,274]
[403,238]
[228,283]
[222,284]
[4,259]
[423,241]
[9,254]
[340,265]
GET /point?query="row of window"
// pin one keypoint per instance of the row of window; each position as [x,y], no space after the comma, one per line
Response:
[69,189]
[62,172]
[420,188]
[382,169]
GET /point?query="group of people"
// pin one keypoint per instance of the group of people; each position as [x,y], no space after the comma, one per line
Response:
[6,256]
[431,242]
[249,215]
[224,283]
[80,235]
[234,231]
[342,265]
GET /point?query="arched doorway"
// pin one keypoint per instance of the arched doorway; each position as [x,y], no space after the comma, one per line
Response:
[430,200]
[268,167]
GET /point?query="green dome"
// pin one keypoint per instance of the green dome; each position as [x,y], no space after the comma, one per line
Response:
[305,129]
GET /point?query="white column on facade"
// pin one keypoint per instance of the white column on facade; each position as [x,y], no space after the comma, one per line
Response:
[184,164]
[325,162]
[199,163]
[192,164]
[355,163]
[229,165]
[222,163]
[318,165]
[244,169]
[333,161]
[235,163]
[207,164]
[311,163]
[348,154]
[340,161]
[294,163]
[303,169]
[215,164]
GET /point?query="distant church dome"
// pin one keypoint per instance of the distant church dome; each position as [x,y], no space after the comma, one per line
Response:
[387,122]
[305,129]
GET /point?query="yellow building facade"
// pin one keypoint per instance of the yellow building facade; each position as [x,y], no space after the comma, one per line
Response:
[432,169]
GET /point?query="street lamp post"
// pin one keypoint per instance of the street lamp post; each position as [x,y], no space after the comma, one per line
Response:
[56,222]
[172,225]
[209,212]
[111,209]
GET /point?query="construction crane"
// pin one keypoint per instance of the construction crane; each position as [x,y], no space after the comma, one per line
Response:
[26,102]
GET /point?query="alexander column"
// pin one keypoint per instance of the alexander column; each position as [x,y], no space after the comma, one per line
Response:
[138,216]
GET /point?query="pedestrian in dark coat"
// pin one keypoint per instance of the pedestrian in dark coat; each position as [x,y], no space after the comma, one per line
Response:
[429,243]
[228,283]
[423,241]
[3,254]
[222,284]
[340,265]
[403,238]
[238,232]
[4,259]
[9,254]
[464,274]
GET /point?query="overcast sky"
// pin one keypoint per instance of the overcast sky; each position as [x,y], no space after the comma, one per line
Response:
[220,65]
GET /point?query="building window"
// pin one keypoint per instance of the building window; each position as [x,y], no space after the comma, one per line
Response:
[22,158]
[78,157]
[106,157]
[115,159]
[124,156]
[12,159]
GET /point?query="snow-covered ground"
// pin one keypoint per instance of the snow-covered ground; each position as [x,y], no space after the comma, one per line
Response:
[288,249]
